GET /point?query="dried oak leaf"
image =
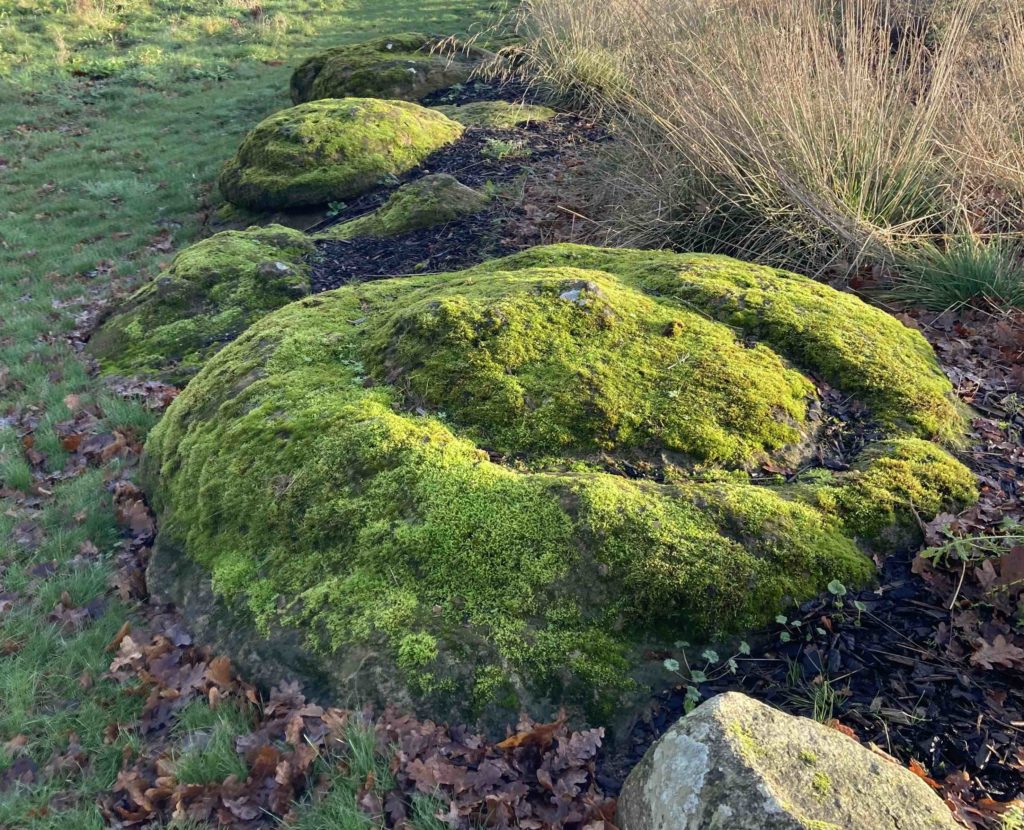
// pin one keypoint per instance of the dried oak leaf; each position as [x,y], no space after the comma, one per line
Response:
[1000,652]
[541,735]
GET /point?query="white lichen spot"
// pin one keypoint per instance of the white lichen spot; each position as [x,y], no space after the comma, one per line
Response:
[672,791]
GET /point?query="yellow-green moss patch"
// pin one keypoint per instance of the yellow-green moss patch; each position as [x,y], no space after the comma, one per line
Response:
[406,66]
[497,114]
[416,473]
[210,294]
[331,149]
[423,203]
[848,343]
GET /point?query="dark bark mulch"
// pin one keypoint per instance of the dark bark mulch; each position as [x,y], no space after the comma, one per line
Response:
[540,150]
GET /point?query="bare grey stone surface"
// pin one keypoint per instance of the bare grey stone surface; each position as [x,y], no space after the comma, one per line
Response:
[737,764]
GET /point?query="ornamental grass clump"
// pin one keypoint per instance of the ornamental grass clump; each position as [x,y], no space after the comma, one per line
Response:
[810,134]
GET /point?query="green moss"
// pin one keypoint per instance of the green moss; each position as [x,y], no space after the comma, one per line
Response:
[497,114]
[211,293]
[491,687]
[331,149]
[892,485]
[418,467]
[423,203]
[746,743]
[416,650]
[822,784]
[808,757]
[848,343]
[406,66]
[506,360]
[709,558]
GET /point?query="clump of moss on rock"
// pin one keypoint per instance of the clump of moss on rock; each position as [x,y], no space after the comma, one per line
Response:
[332,149]
[209,295]
[423,203]
[497,114]
[407,66]
[407,485]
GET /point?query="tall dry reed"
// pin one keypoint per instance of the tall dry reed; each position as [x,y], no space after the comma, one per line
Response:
[815,134]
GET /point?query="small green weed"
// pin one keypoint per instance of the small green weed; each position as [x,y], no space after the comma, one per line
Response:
[500,150]
[712,669]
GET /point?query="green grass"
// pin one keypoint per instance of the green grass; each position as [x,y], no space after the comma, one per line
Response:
[209,754]
[348,774]
[115,120]
[968,269]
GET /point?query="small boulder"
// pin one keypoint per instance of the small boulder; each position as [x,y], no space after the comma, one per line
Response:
[208,296]
[501,115]
[432,200]
[332,149]
[737,764]
[406,66]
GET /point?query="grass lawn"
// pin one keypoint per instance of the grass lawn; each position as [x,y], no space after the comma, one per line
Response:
[114,119]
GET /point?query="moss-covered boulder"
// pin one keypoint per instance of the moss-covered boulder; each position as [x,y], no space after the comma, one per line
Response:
[408,67]
[423,203]
[332,149]
[211,293]
[502,115]
[502,487]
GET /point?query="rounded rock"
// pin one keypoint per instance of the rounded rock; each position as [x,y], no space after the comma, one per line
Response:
[431,200]
[331,149]
[499,488]
[209,295]
[737,764]
[407,66]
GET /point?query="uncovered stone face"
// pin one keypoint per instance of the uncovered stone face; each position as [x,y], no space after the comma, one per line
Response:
[331,149]
[736,764]
[499,488]
[210,294]
[406,66]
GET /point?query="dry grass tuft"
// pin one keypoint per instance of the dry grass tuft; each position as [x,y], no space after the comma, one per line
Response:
[815,134]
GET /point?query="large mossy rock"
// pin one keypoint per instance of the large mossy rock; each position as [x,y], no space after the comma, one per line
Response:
[331,149]
[423,203]
[211,293]
[501,487]
[736,764]
[407,67]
